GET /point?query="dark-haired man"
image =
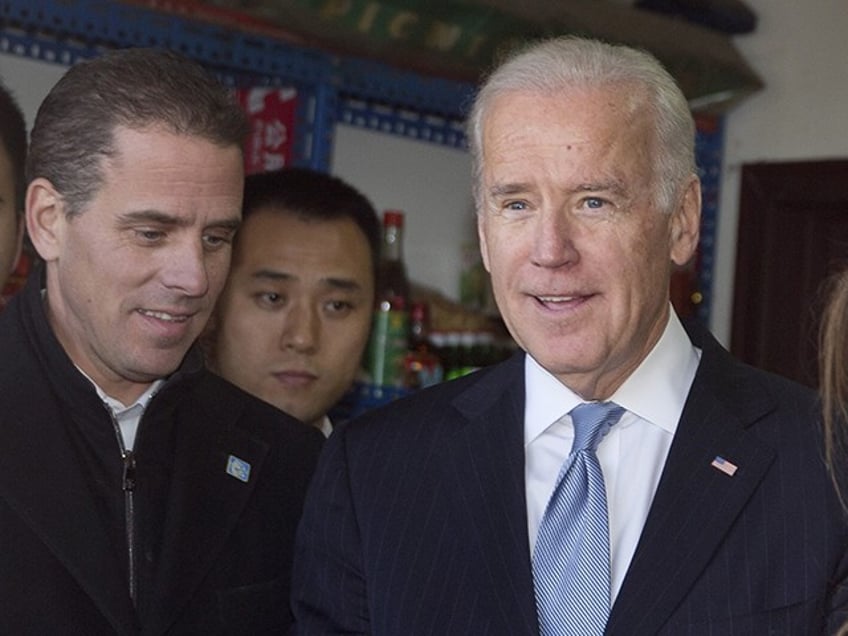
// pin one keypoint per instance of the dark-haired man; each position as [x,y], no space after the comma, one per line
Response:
[139,493]
[294,317]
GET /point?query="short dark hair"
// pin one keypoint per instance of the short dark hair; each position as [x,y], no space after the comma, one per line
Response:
[135,88]
[311,195]
[13,138]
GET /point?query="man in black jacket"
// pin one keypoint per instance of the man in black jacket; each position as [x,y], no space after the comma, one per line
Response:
[139,493]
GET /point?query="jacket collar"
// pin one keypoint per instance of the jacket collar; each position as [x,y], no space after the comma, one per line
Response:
[486,458]
[55,499]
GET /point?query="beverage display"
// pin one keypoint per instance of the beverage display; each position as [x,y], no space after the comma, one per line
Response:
[417,340]
[422,365]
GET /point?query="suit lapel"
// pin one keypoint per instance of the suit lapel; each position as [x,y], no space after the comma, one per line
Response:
[208,494]
[695,503]
[487,459]
[55,500]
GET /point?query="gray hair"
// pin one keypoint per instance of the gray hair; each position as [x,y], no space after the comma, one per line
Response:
[134,88]
[559,64]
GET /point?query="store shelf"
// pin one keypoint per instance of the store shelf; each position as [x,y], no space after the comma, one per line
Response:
[709,149]
[332,89]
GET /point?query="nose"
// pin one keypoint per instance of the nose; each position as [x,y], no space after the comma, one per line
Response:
[301,328]
[553,240]
[187,269]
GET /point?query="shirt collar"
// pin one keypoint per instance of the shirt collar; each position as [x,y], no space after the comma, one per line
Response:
[656,391]
[325,426]
[116,406]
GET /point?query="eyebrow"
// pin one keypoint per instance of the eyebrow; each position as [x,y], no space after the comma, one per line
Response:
[501,189]
[613,185]
[161,218]
[333,282]
[507,189]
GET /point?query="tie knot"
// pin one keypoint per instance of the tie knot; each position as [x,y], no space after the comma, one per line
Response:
[592,420]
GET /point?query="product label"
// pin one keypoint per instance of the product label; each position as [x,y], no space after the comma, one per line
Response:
[387,347]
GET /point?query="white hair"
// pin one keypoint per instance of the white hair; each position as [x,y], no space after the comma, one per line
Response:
[561,64]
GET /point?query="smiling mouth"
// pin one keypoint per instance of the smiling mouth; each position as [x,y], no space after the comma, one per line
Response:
[558,299]
[554,302]
[162,315]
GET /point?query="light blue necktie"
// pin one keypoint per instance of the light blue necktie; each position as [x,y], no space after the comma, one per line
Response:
[571,562]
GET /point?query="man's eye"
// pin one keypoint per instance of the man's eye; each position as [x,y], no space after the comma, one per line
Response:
[269,299]
[150,236]
[339,307]
[214,242]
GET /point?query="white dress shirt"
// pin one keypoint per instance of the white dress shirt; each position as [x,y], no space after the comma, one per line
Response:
[632,454]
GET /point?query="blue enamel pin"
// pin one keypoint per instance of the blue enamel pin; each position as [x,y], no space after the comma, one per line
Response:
[238,468]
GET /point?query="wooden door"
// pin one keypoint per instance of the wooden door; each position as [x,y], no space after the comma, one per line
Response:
[793,232]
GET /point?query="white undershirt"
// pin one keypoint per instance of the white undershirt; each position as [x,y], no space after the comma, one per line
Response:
[127,417]
[325,426]
[632,454]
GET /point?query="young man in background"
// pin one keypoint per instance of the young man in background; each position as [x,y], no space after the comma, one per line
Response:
[294,317]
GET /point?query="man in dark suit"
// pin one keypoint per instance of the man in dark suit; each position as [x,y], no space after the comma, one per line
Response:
[139,493]
[441,513]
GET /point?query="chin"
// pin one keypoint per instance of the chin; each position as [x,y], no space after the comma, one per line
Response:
[292,410]
[156,370]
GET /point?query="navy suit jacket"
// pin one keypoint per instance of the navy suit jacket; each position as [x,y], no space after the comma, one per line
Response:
[415,522]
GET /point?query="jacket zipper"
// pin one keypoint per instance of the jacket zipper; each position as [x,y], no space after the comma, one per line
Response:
[128,485]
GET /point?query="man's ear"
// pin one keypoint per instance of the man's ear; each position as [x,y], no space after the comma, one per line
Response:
[686,223]
[45,217]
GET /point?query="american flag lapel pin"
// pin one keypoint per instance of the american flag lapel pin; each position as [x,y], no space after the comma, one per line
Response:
[238,468]
[728,468]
